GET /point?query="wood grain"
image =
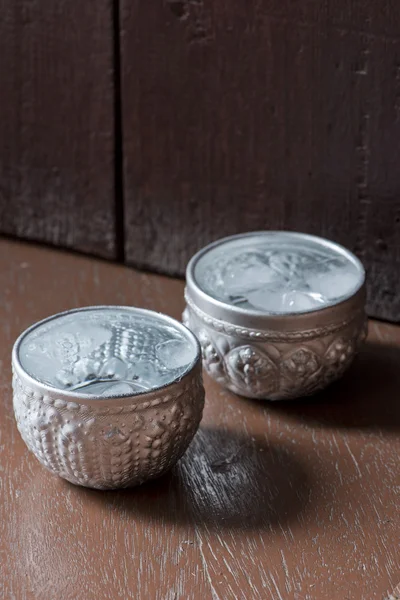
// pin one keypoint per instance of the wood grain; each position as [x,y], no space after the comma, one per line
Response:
[273,501]
[57,123]
[263,115]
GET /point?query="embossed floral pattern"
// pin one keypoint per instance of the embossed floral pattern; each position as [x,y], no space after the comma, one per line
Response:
[301,363]
[107,445]
[300,371]
[269,368]
[340,352]
[339,355]
[250,369]
[212,360]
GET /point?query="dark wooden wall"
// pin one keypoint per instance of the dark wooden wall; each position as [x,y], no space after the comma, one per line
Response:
[57,124]
[147,129]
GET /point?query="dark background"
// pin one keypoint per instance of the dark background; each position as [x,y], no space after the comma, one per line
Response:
[140,130]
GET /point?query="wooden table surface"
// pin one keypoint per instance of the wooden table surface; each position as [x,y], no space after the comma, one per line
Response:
[277,501]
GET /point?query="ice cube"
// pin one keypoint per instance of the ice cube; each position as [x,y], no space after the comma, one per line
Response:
[297,301]
[110,388]
[334,284]
[120,388]
[251,278]
[113,368]
[266,299]
[174,354]
[284,301]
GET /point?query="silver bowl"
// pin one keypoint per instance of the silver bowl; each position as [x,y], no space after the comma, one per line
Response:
[108,396]
[279,315]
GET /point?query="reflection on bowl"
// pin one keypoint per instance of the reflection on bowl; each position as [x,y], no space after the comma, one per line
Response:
[99,408]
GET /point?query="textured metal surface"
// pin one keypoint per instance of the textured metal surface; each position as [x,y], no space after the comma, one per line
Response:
[292,500]
[273,356]
[276,272]
[266,365]
[222,277]
[105,351]
[100,439]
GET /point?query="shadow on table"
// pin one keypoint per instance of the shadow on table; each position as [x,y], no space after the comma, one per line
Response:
[225,480]
[367,397]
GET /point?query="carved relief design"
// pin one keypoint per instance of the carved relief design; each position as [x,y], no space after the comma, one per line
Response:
[250,369]
[110,446]
[212,360]
[301,371]
[277,370]
[339,355]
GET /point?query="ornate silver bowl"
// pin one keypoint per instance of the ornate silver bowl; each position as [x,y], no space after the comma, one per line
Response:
[279,315]
[107,396]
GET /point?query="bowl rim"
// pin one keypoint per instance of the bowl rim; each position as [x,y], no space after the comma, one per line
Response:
[252,318]
[81,397]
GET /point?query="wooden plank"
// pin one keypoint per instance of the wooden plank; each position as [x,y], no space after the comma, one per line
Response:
[291,500]
[57,123]
[58,541]
[265,114]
